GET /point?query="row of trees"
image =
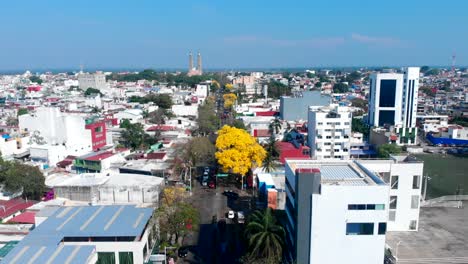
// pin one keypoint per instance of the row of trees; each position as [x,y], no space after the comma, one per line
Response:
[134,136]
[171,79]
[162,100]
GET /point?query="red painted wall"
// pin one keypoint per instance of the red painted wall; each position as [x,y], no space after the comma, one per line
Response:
[98,134]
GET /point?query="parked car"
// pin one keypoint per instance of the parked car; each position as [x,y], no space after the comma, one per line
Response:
[240,217]
[211,185]
[231,214]
[231,194]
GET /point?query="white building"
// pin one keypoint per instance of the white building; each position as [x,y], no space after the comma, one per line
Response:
[456,132]
[337,212]
[404,175]
[92,80]
[393,102]
[132,115]
[112,188]
[432,123]
[329,132]
[50,128]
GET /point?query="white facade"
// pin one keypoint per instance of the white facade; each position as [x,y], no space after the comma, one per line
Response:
[92,80]
[410,96]
[325,224]
[132,115]
[405,180]
[49,126]
[14,145]
[329,132]
[383,109]
[202,91]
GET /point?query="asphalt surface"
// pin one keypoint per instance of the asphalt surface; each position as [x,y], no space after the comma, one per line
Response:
[215,242]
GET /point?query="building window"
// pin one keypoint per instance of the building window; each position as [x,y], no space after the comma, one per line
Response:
[359,228]
[380,207]
[414,201]
[382,228]
[106,257]
[98,129]
[346,123]
[393,202]
[413,224]
[416,180]
[392,216]
[328,137]
[394,182]
[319,123]
[370,206]
[126,257]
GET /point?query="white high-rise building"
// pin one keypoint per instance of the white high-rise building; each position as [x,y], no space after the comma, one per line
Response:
[337,212]
[329,132]
[393,102]
[92,80]
[404,176]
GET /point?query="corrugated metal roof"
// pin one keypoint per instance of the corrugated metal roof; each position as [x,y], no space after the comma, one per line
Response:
[79,221]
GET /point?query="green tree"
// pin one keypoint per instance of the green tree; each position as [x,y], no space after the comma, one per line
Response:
[238,123]
[207,120]
[22,111]
[424,69]
[157,117]
[133,136]
[200,151]
[352,77]
[12,121]
[340,88]
[265,237]
[275,126]
[318,84]
[272,156]
[358,102]
[384,151]
[35,79]
[91,91]
[277,89]
[358,125]
[17,176]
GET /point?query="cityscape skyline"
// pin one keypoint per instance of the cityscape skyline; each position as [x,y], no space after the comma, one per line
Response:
[149,35]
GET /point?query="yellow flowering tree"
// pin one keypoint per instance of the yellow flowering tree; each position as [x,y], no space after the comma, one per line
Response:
[229,100]
[228,86]
[237,151]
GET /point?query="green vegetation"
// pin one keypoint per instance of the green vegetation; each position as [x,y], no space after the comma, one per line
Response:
[358,125]
[277,89]
[35,79]
[272,156]
[162,100]
[460,120]
[432,72]
[265,237]
[91,91]
[447,174]
[238,123]
[200,151]
[427,90]
[340,88]
[22,111]
[207,120]
[171,79]
[384,151]
[133,136]
[424,69]
[352,77]
[361,103]
[17,176]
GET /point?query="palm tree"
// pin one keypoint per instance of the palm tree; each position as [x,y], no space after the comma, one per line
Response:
[265,237]
[272,155]
[275,125]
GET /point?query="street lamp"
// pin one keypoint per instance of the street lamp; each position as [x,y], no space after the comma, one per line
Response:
[396,250]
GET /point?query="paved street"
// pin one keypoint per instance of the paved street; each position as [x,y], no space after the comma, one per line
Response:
[214,242]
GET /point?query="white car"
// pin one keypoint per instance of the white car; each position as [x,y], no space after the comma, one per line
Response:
[231,214]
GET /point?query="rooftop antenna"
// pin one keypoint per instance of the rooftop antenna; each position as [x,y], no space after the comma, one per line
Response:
[452,80]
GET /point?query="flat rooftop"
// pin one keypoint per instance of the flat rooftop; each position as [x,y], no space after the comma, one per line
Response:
[343,172]
[44,242]
[442,237]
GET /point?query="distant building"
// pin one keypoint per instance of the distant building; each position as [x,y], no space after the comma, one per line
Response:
[329,132]
[336,212]
[393,103]
[92,80]
[193,71]
[294,108]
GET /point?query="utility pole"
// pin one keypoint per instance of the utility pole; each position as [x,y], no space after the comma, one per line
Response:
[425,187]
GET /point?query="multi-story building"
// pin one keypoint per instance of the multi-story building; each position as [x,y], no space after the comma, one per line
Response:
[329,132]
[88,234]
[404,176]
[336,211]
[98,133]
[295,108]
[393,103]
[92,80]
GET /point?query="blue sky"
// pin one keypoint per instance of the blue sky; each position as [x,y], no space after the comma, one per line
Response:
[231,34]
